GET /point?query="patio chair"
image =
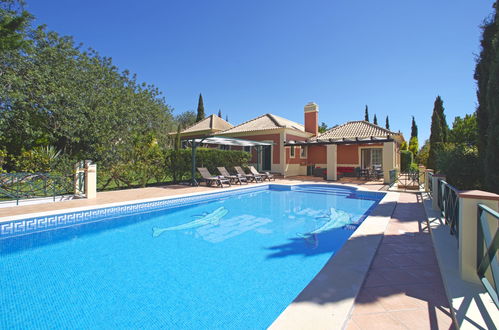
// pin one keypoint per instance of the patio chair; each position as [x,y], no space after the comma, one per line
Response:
[377,172]
[210,179]
[264,175]
[238,178]
[250,177]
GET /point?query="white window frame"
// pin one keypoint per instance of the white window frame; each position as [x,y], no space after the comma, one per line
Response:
[292,151]
[303,152]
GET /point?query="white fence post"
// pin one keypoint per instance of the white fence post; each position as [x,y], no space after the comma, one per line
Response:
[468,210]
[90,179]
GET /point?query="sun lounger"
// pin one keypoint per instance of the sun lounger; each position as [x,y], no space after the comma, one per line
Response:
[233,178]
[210,179]
[250,177]
[265,175]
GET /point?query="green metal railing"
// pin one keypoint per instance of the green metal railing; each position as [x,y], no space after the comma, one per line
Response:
[448,202]
[17,186]
[406,178]
[487,246]
[430,184]
[393,176]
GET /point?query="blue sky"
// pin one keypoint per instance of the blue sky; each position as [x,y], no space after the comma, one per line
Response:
[253,57]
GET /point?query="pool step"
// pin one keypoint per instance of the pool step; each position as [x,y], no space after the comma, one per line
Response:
[338,192]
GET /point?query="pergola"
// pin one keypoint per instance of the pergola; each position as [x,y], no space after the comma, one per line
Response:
[222,140]
[356,140]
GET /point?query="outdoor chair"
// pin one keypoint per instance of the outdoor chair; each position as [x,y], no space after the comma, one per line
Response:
[250,177]
[210,179]
[238,178]
[265,175]
[377,172]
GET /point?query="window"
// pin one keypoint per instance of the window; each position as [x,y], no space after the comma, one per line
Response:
[223,147]
[292,151]
[247,149]
[371,157]
[376,157]
[303,153]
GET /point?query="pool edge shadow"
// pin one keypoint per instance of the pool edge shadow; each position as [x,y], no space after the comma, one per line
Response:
[327,301]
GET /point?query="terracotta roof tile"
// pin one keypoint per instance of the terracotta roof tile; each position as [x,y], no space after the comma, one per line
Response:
[356,129]
[264,122]
[212,122]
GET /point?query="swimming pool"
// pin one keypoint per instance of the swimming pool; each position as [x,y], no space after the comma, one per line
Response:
[225,260]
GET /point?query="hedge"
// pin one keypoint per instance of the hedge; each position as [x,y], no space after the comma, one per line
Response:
[405,160]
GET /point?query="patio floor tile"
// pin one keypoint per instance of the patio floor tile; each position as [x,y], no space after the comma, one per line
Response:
[403,288]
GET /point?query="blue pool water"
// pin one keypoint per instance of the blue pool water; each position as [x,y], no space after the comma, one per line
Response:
[240,264]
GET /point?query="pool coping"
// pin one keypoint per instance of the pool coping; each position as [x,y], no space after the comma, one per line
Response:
[328,300]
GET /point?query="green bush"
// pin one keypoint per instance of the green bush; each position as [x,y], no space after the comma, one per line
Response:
[405,160]
[459,163]
[132,163]
[3,156]
[414,167]
[39,159]
[179,161]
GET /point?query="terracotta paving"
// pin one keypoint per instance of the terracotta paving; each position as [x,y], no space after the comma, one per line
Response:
[403,289]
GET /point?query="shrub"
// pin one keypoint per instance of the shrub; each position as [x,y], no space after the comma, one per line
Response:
[39,159]
[414,167]
[3,156]
[405,160]
[131,163]
[459,163]
[179,161]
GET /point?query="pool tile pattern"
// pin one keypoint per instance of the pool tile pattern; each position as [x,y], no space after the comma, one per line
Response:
[30,225]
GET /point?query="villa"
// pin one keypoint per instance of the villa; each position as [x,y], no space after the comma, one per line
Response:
[301,150]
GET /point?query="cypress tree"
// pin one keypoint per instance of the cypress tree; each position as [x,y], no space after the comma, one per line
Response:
[375,120]
[226,118]
[200,115]
[482,75]
[441,115]
[436,135]
[219,113]
[366,114]
[414,128]
[387,123]
[492,105]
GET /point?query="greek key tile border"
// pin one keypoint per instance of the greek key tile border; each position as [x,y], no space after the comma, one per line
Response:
[32,225]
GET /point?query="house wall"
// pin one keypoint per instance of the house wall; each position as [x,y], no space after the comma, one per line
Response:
[348,154]
[296,165]
[316,155]
[276,148]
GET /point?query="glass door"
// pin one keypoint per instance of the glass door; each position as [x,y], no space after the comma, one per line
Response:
[371,157]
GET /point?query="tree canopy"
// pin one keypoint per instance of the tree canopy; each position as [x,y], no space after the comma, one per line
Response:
[436,133]
[387,123]
[414,128]
[13,23]
[56,93]
[487,76]
[200,115]
[366,114]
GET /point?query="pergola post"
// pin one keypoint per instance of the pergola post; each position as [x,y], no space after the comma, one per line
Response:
[195,143]
[258,157]
[193,164]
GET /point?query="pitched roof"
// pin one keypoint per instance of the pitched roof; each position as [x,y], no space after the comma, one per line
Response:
[355,129]
[264,122]
[213,123]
